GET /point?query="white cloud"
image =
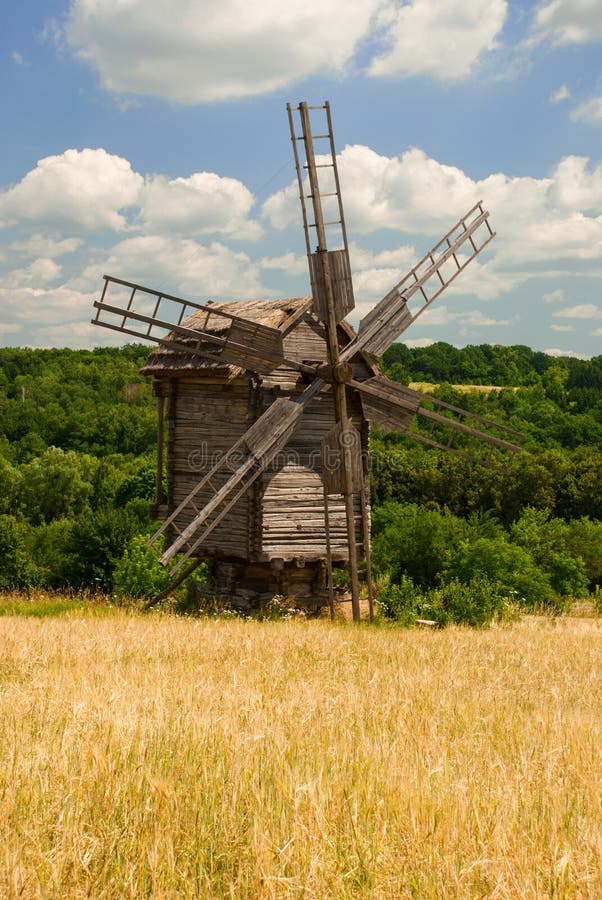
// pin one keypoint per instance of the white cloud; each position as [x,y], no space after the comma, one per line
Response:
[40,245]
[178,266]
[556,351]
[201,204]
[556,296]
[401,192]
[83,189]
[597,332]
[441,315]
[418,342]
[589,111]
[207,51]
[562,93]
[563,328]
[445,40]
[569,21]
[289,263]
[40,273]
[539,221]
[17,58]
[581,311]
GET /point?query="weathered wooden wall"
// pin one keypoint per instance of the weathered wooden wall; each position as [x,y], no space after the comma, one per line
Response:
[282,516]
[205,418]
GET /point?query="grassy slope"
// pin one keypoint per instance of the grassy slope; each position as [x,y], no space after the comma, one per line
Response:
[164,757]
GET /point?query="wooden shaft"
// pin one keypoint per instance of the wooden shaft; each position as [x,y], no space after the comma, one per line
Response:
[340,397]
[160,412]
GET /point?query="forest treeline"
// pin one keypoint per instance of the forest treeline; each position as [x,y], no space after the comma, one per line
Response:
[77,443]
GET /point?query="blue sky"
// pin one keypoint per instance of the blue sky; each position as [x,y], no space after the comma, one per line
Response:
[148,139]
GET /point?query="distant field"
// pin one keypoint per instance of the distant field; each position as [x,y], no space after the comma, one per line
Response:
[428,386]
[151,756]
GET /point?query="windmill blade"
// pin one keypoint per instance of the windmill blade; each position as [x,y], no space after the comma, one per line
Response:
[424,283]
[227,481]
[395,407]
[332,292]
[212,334]
[323,218]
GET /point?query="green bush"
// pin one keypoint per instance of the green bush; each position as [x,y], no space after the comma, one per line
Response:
[138,573]
[509,568]
[476,603]
[16,567]
[400,601]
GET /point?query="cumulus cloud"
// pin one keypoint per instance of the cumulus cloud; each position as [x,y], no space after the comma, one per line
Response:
[590,111]
[556,351]
[539,221]
[467,320]
[204,203]
[418,342]
[205,51]
[40,272]
[179,266]
[386,192]
[569,21]
[445,40]
[289,263]
[93,190]
[563,328]
[84,189]
[581,311]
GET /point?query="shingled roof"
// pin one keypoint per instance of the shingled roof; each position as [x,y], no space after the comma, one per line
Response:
[165,360]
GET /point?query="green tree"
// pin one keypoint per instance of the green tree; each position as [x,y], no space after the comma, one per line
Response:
[56,485]
[509,567]
[16,567]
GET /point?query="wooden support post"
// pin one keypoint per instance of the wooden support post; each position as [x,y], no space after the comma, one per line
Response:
[340,397]
[328,554]
[160,414]
[366,538]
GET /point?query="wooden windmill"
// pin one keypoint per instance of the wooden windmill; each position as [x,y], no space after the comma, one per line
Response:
[268,402]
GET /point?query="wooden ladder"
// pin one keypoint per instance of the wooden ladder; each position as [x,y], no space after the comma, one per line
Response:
[250,455]
[429,278]
[335,232]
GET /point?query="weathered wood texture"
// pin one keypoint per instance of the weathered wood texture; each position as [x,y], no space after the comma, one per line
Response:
[204,422]
[209,409]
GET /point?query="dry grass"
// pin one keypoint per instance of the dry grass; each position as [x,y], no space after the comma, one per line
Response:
[160,757]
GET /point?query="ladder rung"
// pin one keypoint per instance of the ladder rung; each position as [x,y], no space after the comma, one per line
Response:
[331,194]
[335,222]
[321,166]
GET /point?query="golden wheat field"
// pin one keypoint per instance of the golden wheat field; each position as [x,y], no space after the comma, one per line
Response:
[155,756]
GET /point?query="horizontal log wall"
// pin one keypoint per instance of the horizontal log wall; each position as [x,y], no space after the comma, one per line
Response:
[204,421]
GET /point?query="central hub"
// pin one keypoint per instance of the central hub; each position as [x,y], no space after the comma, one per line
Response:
[342,373]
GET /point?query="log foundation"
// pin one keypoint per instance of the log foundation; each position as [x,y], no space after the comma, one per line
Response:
[249,587]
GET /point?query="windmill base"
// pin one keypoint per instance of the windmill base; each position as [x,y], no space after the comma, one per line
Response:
[249,587]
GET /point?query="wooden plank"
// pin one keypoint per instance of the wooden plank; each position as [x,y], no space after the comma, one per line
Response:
[340,280]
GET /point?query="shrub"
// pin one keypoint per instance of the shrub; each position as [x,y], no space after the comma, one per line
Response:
[16,568]
[398,601]
[510,569]
[139,573]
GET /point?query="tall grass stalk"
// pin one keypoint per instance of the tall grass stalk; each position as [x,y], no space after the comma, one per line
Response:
[158,757]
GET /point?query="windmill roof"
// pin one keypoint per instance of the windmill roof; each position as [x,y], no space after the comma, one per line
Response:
[273,313]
